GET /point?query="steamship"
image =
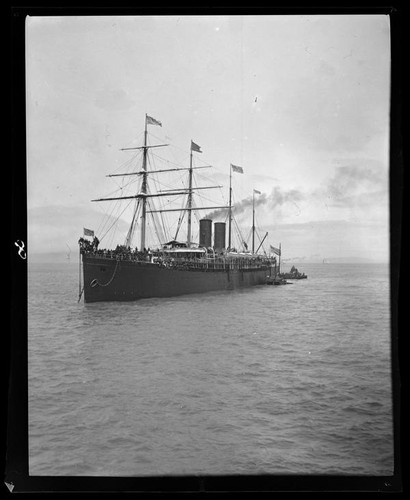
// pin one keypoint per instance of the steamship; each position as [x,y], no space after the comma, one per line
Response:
[176,267]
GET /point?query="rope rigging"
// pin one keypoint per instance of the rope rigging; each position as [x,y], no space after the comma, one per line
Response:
[160,224]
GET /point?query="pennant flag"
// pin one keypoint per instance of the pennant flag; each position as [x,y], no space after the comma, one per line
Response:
[237,169]
[195,147]
[256,191]
[275,250]
[153,121]
[88,232]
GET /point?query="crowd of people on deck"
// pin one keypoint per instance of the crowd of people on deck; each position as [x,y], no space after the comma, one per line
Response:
[162,259]
[121,252]
[87,245]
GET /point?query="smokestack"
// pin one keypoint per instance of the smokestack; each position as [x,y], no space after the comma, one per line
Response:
[205,233]
[219,240]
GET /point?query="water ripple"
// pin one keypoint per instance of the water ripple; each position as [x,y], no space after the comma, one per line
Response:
[276,380]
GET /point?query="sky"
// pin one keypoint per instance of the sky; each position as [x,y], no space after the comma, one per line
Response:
[301,103]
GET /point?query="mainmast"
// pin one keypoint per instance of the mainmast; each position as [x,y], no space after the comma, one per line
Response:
[194,147]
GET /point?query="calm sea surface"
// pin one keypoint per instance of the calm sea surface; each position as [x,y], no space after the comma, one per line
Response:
[279,380]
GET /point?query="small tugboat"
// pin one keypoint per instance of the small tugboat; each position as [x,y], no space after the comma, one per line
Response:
[294,274]
[281,278]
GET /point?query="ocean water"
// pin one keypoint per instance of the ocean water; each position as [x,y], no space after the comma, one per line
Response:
[292,379]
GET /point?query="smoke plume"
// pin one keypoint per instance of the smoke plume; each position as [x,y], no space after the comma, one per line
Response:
[276,198]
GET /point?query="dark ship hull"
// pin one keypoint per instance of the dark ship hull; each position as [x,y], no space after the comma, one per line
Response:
[108,279]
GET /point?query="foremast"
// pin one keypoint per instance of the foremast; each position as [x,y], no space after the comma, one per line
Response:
[143,189]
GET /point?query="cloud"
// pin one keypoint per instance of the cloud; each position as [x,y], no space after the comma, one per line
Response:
[353,178]
[360,183]
[368,200]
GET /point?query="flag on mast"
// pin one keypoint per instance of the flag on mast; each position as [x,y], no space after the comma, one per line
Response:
[235,168]
[153,121]
[88,232]
[195,147]
[275,250]
[256,191]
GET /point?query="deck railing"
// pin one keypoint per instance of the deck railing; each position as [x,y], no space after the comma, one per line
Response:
[201,264]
